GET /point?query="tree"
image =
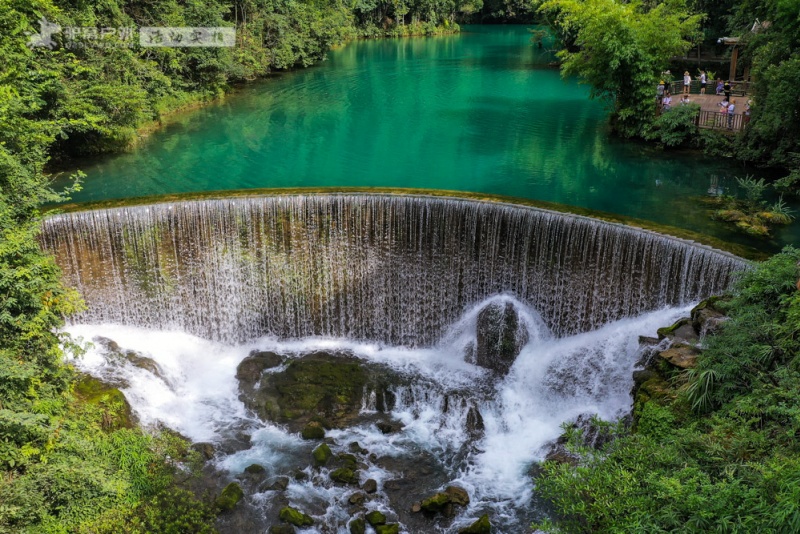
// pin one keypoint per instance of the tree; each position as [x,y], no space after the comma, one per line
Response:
[620,50]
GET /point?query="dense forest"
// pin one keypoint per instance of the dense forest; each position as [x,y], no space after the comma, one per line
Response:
[719,448]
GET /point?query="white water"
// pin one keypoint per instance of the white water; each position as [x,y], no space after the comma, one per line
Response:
[552,381]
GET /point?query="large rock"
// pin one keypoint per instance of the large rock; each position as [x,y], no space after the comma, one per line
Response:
[680,355]
[114,353]
[295,517]
[327,388]
[445,501]
[229,497]
[500,337]
[706,318]
[249,371]
[481,526]
[116,412]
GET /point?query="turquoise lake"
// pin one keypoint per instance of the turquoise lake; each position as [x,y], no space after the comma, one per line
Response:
[483,111]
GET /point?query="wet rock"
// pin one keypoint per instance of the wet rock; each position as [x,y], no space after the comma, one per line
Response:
[344,475]
[389,528]
[356,448]
[457,495]
[680,332]
[326,387]
[560,455]
[254,474]
[706,318]
[348,460]
[358,526]
[313,430]
[281,529]
[357,498]
[646,341]
[322,454]
[387,428]
[481,526]
[295,517]
[116,412]
[416,507]
[280,484]
[445,501]
[114,352]
[500,337]
[375,518]
[229,497]
[206,450]
[255,469]
[250,369]
[680,355]
[300,475]
[475,427]
[370,486]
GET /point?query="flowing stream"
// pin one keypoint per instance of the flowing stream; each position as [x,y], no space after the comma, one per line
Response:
[552,381]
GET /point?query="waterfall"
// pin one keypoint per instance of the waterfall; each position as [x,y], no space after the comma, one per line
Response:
[372,267]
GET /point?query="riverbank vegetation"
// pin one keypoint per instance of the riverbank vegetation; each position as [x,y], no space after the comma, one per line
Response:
[621,50]
[711,448]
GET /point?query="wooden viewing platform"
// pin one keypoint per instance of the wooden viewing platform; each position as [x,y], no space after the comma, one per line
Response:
[710,116]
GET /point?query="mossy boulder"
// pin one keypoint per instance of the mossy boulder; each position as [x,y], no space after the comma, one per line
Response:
[313,430]
[348,460]
[389,528]
[344,475]
[229,497]
[358,526]
[322,386]
[445,501]
[295,517]
[376,518]
[481,526]
[116,412]
[322,454]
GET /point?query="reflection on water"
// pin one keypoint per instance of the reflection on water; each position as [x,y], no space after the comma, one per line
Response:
[481,111]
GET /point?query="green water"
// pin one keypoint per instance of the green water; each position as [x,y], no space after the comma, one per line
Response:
[480,111]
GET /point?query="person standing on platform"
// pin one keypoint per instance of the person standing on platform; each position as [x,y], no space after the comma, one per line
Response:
[687,82]
[703,82]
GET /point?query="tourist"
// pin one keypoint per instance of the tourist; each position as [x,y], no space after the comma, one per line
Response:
[731,111]
[723,112]
[685,100]
[703,82]
[720,85]
[726,88]
[687,82]
[746,113]
[667,102]
[660,92]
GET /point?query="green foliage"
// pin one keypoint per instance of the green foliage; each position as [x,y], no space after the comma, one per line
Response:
[676,127]
[620,49]
[718,454]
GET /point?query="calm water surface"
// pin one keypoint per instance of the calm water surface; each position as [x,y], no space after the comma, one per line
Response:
[480,111]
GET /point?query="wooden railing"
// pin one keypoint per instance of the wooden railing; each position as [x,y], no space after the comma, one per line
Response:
[722,121]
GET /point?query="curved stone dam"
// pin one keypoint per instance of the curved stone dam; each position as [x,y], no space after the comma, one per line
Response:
[393,269]
[434,345]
